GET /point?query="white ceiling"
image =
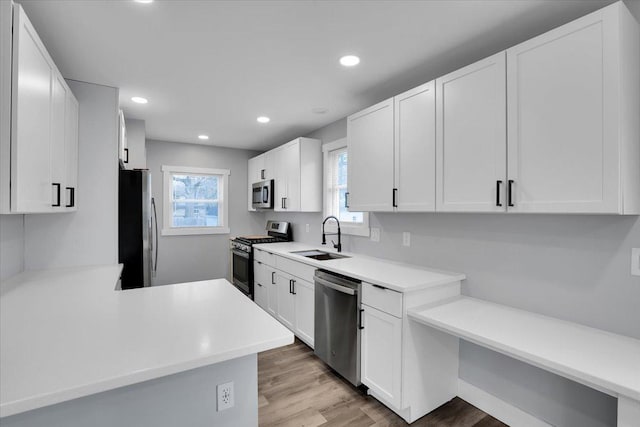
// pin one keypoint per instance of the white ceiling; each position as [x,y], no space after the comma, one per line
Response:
[214,66]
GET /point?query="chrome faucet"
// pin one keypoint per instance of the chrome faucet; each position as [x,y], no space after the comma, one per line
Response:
[338,246]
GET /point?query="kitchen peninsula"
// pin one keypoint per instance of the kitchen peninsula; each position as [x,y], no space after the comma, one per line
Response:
[75,351]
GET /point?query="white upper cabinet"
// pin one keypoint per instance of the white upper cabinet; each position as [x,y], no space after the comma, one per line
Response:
[471,149]
[573,117]
[296,168]
[392,154]
[370,151]
[415,122]
[33,76]
[123,150]
[71,153]
[35,173]
[135,145]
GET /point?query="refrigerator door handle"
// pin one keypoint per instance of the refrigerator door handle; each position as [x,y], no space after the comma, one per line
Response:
[156,244]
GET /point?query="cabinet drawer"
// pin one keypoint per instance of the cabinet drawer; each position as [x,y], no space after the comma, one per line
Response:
[386,300]
[264,257]
[296,268]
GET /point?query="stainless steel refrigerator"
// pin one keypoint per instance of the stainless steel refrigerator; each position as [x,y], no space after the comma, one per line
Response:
[137,229]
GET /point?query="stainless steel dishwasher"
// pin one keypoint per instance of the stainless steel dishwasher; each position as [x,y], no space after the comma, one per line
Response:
[338,322]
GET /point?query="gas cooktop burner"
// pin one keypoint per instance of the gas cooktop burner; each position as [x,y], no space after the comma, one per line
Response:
[253,240]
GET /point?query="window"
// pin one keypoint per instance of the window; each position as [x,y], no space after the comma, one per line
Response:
[336,161]
[195,201]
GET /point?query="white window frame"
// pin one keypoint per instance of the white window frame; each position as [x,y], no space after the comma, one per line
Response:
[223,203]
[328,188]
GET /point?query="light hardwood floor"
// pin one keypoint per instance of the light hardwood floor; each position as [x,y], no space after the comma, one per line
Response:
[296,389]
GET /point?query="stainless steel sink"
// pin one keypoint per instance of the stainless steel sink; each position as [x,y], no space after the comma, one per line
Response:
[319,255]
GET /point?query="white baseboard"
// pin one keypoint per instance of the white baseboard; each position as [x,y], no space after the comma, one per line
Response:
[496,407]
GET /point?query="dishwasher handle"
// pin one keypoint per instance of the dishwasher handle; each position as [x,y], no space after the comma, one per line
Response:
[335,286]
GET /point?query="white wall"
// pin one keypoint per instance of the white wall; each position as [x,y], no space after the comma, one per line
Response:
[200,257]
[90,235]
[11,245]
[575,267]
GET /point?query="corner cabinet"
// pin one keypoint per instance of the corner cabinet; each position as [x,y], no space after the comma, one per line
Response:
[296,168]
[391,149]
[41,170]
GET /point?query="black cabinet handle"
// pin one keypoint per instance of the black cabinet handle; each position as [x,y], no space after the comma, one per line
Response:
[395,198]
[360,324]
[262,174]
[284,203]
[126,155]
[57,203]
[293,286]
[273,277]
[72,197]
[498,184]
[258,284]
[346,200]
[290,286]
[510,195]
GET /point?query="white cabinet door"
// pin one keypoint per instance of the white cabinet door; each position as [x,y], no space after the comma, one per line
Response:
[287,183]
[272,290]
[254,167]
[71,153]
[304,310]
[58,142]
[370,150]
[415,150]
[563,118]
[260,290]
[122,140]
[471,138]
[31,189]
[381,354]
[286,300]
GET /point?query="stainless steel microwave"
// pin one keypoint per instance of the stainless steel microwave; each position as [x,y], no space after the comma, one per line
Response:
[262,195]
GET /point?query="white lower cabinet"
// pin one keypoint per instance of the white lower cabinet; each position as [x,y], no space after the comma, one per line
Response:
[284,294]
[304,310]
[286,299]
[410,369]
[381,354]
[260,290]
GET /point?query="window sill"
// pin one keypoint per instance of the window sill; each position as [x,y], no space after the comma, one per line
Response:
[190,231]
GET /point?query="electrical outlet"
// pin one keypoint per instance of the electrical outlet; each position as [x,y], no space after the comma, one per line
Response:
[225,396]
[406,238]
[375,234]
[307,228]
[635,261]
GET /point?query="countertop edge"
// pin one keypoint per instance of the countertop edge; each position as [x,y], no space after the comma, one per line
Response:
[453,277]
[16,407]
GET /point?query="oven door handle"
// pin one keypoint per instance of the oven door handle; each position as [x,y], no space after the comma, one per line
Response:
[240,253]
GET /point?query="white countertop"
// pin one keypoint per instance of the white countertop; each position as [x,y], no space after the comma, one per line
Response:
[67,333]
[599,359]
[392,275]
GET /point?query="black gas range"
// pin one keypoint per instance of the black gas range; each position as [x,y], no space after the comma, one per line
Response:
[242,253]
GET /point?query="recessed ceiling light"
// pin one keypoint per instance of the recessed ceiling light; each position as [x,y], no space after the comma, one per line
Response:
[139,100]
[349,60]
[143,1]
[203,137]
[263,119]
